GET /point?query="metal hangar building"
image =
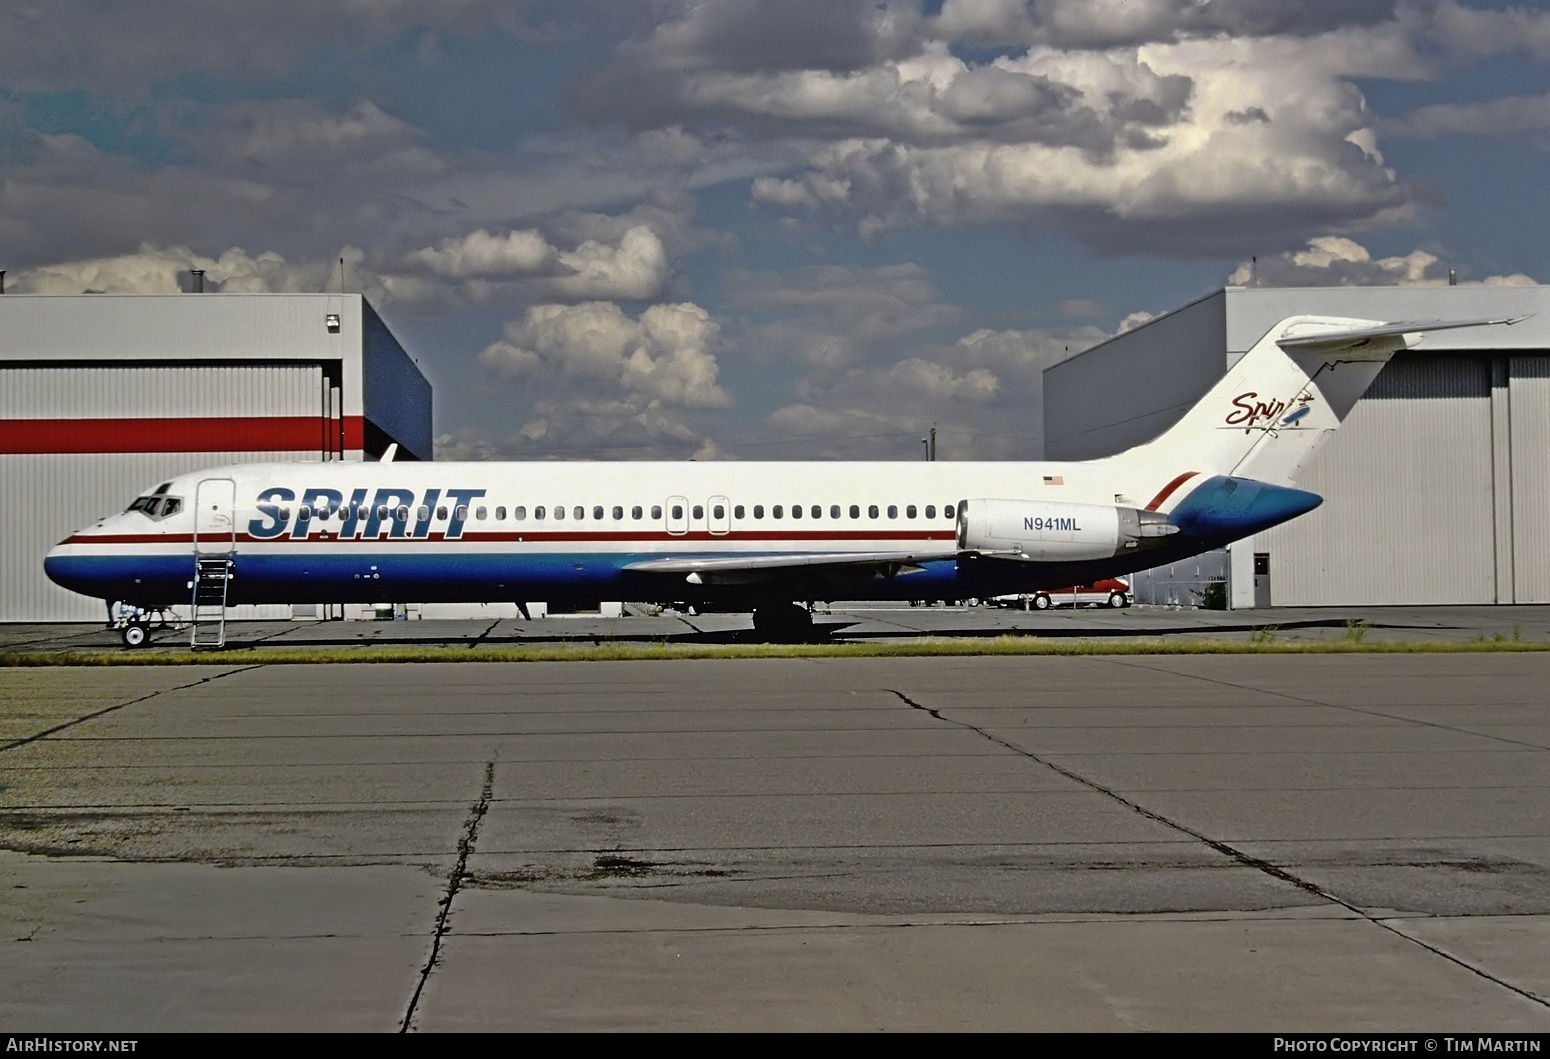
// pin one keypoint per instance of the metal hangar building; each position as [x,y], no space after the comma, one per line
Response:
[102,396]
[1437,486]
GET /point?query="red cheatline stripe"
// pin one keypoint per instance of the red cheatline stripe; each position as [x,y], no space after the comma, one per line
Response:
[643,540]
[191,434]
[1168,489]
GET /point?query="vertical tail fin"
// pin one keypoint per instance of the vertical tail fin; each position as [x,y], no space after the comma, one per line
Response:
[1273,408]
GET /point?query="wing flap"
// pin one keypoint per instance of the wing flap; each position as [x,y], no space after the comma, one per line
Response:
[754,568]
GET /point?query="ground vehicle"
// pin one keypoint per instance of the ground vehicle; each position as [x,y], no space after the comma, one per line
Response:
[1110,591]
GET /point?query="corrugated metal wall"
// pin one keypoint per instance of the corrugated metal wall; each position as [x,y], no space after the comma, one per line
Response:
[1407,482]
[1529,386]
[49,495]
[150,391]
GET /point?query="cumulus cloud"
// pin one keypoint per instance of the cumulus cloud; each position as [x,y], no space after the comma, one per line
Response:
[1176,150]
[831,316]
[1524,118]
[983,393]
[634,269]
[1150,125]
[667,356]
[130,48]
[524,266]
[487,255]
[155,270]
[1333,261]
[1113,23]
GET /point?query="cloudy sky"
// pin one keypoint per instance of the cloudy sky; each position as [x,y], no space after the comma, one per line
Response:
[767,229]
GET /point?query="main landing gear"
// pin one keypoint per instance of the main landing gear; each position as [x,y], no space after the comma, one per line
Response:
[783,621]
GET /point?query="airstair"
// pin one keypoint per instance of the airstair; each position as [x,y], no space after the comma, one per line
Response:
[215,548]
[211,576]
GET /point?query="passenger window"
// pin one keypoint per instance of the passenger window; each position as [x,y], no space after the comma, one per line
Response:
[500,514]
[441,512]
[931,511]
[699,511]
[618,513]
[893,510]
[578,512]
[818,512]
[947,511]
[461,514]
[559,511]
[834,511]
[538,512]
[422,513]
[796,510]
[776,512]
[758,511]
[635,512]
[304,513]
[737,512]
[871,512]
[909,512]
[520,514]
[402,514]
[381,511]
[855,511]
[678,511]
[656,511]
[481,513]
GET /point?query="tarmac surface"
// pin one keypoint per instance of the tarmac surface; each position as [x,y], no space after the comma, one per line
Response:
[1303,843]
[852,623]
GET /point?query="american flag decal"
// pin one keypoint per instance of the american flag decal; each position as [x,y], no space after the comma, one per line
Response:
[1054,479]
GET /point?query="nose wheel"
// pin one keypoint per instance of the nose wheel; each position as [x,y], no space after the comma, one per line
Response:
[134,635]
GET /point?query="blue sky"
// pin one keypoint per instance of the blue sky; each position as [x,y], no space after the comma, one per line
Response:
[748,229]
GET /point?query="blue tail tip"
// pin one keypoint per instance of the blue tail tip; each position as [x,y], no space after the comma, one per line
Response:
[1229,508]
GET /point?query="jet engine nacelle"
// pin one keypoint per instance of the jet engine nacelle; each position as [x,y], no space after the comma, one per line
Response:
[1055,531]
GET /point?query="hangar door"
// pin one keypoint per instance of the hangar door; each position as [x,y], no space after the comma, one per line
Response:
[1408,485]
[1529,397]
[78,441]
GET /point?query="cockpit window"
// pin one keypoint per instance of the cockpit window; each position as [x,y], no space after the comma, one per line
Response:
[157,506]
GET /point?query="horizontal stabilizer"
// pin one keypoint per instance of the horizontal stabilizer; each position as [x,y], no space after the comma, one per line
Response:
[1332,341]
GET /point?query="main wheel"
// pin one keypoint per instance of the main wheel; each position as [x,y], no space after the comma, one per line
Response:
[782,621]
[1116,599]
[1041,602]
[134,635]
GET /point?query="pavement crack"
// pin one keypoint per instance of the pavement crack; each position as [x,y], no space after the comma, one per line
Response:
[1236,855]
[118,706]
[480,639]
[455,880]
[1239,857]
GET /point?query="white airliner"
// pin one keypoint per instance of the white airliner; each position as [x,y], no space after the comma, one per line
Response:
[766,537]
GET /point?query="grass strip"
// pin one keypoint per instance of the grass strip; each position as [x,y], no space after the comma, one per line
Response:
[635,652]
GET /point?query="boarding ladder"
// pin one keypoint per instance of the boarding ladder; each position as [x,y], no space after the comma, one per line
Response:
[211,576]
[215,548]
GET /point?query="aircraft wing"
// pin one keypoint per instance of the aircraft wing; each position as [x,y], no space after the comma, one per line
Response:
[1333,340]
[756,568]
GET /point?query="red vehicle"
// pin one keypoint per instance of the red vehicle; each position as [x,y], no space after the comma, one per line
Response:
[1111,591]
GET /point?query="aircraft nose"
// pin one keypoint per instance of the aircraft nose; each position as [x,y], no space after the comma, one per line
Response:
[63,567]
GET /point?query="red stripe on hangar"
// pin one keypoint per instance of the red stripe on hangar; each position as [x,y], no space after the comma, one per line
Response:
[177,434]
